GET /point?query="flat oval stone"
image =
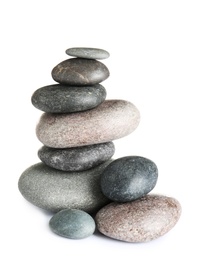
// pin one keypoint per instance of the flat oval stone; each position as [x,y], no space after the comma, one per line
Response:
[129,178]
[66,99]
[141,220]
[111,120]
[72,223]
[77,158]
[77,71]
[54,190]
[88,53]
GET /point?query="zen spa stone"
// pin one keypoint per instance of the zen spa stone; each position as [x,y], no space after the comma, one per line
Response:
[111,120]
[88,53]
[141,220]
[54,190]
[77,158]
[77,71]
[129,178]
[65,99]
[72,223]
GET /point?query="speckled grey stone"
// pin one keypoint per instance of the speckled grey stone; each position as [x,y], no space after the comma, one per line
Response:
[88,53]
[77,71]
[65,99]
[129,178]
[77,158]
[111,120]
[55,190]
[141,220]
[72,223]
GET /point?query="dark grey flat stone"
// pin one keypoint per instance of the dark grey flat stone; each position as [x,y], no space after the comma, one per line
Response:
[129,178]
[77,71]
[77,158]
[54,190]
[88,53]
[72,223]
[65,99]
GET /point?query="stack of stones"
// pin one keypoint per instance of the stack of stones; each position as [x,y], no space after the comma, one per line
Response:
[77,178]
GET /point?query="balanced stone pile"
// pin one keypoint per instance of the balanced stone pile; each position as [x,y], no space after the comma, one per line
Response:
[78,178]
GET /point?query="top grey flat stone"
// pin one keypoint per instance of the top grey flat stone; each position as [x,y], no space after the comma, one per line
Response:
[88,53]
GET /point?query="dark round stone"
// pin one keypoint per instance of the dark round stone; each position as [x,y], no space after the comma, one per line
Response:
[88,53]
[77,71]
[65,99]
[129,178]
[77,158]
[72,223]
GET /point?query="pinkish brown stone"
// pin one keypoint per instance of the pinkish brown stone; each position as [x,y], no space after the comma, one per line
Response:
[139,221]
[111,120]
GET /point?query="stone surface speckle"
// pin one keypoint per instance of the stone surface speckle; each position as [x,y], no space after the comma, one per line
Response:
[88,53]
[112,119]
[54,190]
[77,158]
[141,220]
[77,71]
[72,223]
[129,178]
[66,99]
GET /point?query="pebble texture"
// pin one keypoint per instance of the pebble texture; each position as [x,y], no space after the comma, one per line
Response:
[65,99]
[111,120]
[77,71]
[139,221]
[72,223]
[88,53]
[129,178]
[54,190]
[77,158]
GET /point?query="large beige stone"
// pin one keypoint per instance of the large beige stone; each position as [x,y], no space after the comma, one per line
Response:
[141,220]
[111,120]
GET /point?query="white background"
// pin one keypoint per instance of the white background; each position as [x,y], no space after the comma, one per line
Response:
[154,63]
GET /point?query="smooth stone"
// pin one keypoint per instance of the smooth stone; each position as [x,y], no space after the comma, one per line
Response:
[141,220]
[88,53]
[54,190]
[77,158]
[77,71]
[72,223]
[111,120]
[129,178]
[66,99]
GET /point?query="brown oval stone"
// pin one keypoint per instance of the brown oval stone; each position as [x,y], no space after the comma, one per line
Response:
[111,120]
[139,221]
[77,71]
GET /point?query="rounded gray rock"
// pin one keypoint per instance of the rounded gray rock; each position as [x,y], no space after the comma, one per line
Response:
[66,99]
[77,71]
[129,178]
[112,119]
[77,158]
[72,223]
[141,220]
[54,190]
[88,53]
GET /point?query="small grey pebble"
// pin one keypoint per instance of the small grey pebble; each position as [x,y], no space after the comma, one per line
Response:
[88,53]
[72,223]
